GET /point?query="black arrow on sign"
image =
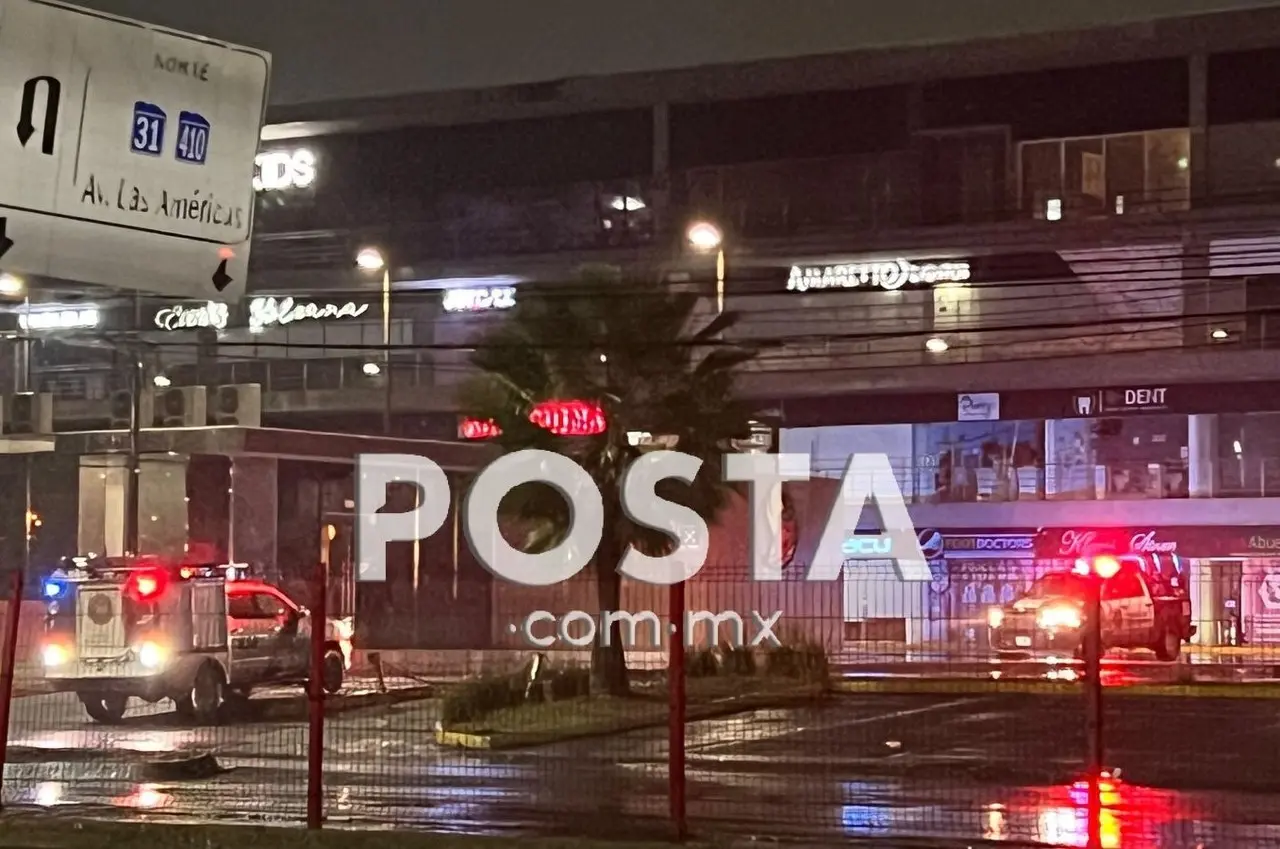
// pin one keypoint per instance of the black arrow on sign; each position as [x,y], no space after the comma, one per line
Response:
[27,122]
[221,279]
[5,241]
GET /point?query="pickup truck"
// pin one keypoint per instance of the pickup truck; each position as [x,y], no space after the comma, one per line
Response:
[118,628]
[1138,610]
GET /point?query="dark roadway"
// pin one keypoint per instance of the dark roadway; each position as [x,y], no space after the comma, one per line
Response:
[1193,771]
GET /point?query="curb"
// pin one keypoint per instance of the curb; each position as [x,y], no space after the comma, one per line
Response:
[943,686]
[139,770]
[502,741]
[298,709]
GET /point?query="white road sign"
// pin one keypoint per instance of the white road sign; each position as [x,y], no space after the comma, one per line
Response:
[126,152]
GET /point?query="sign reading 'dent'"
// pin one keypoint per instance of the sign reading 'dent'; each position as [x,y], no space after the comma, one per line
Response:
[129,162]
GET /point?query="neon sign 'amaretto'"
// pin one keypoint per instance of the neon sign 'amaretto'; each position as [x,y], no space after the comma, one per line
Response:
[890,275]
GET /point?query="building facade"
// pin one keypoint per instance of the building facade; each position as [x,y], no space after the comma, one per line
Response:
[1039,273]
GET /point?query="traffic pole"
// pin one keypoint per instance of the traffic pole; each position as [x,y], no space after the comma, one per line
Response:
[676,711]
[1095,754]
[9,657]
[315,697]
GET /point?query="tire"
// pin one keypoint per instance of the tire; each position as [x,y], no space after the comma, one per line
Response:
[106,708]
[333,671]
[204,703]
[1168,647]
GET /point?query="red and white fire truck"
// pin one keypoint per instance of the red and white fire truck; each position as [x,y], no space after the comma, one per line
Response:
[200,635]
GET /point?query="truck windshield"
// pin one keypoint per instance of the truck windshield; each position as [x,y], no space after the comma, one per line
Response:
[1057,584]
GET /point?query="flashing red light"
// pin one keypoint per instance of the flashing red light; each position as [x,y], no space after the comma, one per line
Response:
[478,429]
[1104,566]
[569,418]
[145,586]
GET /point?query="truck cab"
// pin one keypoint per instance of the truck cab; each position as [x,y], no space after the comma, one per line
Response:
[1137,609]
[199,635]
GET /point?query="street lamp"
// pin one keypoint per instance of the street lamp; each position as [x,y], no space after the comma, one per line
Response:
[706,237]
[371,259]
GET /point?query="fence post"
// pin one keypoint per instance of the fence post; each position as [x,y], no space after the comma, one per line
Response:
[315,697]
[9,657]
[1094,742]
[676,695]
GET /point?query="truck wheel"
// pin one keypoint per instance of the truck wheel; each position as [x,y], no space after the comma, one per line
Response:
[107,708]
[1169,647]
[205,700]
[333,672]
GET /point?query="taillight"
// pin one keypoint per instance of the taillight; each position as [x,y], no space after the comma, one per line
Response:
[146,586]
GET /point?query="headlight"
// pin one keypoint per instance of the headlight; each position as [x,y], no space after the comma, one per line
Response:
[995,617]
[56,655]
[151,655]
[1058,617]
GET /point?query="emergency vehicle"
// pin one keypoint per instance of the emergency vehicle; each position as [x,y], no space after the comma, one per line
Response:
[1138,608]
[199,635]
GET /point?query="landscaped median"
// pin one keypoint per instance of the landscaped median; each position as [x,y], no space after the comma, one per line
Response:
[990,686]
[507,712]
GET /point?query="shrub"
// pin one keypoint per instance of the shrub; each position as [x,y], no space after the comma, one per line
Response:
[571,683]
[475,699]
[737,661]
[804,660]
[702,664]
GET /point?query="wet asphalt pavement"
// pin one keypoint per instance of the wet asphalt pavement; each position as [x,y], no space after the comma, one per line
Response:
[1004,767]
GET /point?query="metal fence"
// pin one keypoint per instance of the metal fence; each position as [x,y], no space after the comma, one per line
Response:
[889,727]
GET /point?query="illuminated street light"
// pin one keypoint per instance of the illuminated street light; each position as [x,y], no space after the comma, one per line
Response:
[936,346]
[12,286]
[371,259]
[161,381]
[372,369]
[1220,334]
[705,236]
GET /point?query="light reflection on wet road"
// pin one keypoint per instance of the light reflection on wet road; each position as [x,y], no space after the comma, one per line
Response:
[869,768]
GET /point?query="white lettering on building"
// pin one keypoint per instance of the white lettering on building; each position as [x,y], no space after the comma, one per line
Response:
[190,318]
[284,169]
[1144,397]
[1078,543]
[59,320]
[265,312]
[889,275]
[475,300]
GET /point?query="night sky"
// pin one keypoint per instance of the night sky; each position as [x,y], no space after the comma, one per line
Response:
[334,49]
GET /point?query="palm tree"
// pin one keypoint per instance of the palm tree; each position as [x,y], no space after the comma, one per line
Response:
[632,349]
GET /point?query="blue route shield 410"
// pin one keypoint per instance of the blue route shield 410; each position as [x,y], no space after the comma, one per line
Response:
[193,138]
[148,129]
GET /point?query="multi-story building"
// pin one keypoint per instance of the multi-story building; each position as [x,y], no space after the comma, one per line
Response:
[1041,273]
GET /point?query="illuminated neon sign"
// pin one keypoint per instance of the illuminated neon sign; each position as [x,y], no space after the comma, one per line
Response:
[284,169]
[563,418]
[890,275]
[475,300]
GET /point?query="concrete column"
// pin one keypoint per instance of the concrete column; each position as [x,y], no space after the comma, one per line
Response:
[1198,123]
[1202,455]
[661,139]
[162,504]
[255,502]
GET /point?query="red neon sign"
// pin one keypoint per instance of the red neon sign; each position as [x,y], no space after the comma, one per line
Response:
[563,418]
[478,429]
[569,418]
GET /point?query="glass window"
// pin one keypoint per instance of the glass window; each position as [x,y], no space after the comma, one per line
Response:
[980,461]
[1085,177]
[1041,176]
[1124,585]
[1127,173]
[1058,584]
[1168,169]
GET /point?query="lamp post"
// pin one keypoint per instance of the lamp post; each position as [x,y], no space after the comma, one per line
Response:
[705,237]
[371,259]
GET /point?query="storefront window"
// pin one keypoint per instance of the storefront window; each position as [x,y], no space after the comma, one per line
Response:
[1107,175]
[979,461]
[1248,455]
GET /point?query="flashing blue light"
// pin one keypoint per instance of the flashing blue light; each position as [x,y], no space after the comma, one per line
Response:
[54,589]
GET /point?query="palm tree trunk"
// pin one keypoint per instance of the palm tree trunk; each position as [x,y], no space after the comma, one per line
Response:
[609,662]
